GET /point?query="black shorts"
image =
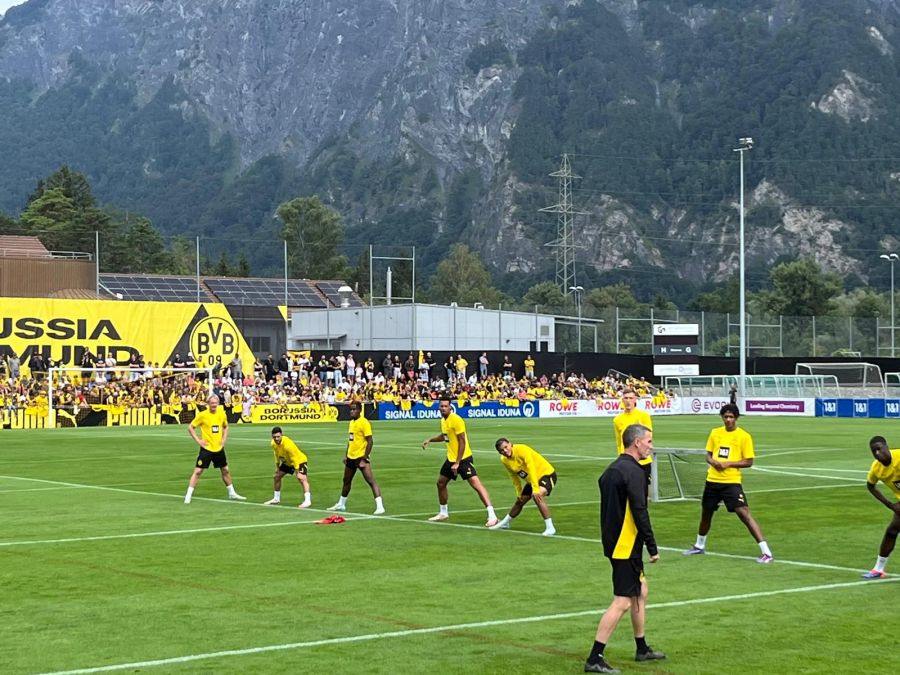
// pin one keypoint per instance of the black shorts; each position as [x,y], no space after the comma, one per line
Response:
[288,469]
[546,482]
[627,576]
[730,493]
[217,459]
[466,469]
[353,464]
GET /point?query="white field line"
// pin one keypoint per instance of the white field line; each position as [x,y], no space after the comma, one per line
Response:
[800,475]
[406,519]
[855,483]
[368,637]
[816,468]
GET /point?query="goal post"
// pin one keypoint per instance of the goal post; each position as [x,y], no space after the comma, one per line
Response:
[71,389]
[677,474]
[859,375]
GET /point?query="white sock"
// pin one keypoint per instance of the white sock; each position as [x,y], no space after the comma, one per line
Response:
[764,548]
[277,495]
[881,563]
[491,512]
[307,496]
[444,510]
[548,523]
[378,503]
[342,501]
[506,520]
[190,491]
[701,541]
[231,490]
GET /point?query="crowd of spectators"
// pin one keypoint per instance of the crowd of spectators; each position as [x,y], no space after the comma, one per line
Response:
[299,377]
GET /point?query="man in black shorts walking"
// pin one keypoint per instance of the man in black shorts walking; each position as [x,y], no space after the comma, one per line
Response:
[625,529]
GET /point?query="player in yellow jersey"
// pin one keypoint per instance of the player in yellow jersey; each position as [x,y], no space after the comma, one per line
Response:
[213,425]
[523,462]
[631,415]
[359,448]
[885,468]
[728,450]
[289,460]
[459,462]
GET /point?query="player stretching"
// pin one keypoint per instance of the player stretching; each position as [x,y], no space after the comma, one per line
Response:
[728,450]
[359,448]
[289,460]
[885,468]
[213,433]
[521,462]
[459,462]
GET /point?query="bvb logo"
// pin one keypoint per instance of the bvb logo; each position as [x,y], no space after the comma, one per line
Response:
[214,341]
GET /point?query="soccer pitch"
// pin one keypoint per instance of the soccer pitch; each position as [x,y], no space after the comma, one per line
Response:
[105,569]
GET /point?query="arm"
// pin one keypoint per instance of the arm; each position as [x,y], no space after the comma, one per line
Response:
[714,463]
[199,441]
[875,492]
[460,446]
[369,443]
[637,500]
[743,464]
[225,436]
[434,439]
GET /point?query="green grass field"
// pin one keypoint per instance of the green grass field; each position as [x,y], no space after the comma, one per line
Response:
[105,569]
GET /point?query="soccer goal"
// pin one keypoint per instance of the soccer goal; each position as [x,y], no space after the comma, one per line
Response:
[73,392]
[860,375]
[677,474]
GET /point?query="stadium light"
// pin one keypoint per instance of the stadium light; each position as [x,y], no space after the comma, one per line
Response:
[744,145]
[891,258]
[578,291]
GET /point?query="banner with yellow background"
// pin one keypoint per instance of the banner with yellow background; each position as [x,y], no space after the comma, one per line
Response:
[64,329]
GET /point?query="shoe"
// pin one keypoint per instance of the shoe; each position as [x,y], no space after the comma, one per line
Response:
[600,666]
[237,498]
[187,500]
[491,522]
[378,512]
[338,507]
[694,550]
[439,517]
[548,533]
[498,526]
[272,502]
[874,574]
[305,505]
[649,655]
[765,559]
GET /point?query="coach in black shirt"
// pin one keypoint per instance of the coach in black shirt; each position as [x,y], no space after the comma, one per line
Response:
[625,530]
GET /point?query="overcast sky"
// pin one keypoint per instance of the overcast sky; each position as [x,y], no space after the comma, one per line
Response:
[6,4]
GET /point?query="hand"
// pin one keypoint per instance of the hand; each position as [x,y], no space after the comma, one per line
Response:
[654,558]
[203,443]
[363,462]
[454,468]
[717,466]
[425,444]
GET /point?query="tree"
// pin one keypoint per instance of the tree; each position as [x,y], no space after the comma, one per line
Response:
[223,268]
[545,294]
[800,288]
[723,300]
[617,295]
[461,277]
[313,233]
[51,216]
[183,256]
[243,269]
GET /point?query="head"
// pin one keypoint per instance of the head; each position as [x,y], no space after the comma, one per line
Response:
[880,450]
[629,399]
[638,441]
[213,402]
[277,435]
[729,414]
[445,407]
[355,410]
[504,447]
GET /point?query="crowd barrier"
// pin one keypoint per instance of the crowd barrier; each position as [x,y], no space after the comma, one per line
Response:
[429,410]
[878,408]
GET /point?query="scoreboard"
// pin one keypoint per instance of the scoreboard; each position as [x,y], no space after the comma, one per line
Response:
[676,349]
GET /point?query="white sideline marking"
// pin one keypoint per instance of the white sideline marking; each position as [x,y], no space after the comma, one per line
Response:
[816,468]
[799,475]
[855,483]
[451,627]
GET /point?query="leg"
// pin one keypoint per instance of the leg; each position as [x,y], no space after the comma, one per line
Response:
[706,517]
[540,501]
[890,537]
[195,478]
[518,505]
[304,481]
[349,472]
[226,476]
[276,480]
[639,611]
[481,490]
[442,490]
[370,479]
[611,618]
[743,513]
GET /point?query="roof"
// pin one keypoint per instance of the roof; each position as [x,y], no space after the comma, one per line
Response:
[18,246]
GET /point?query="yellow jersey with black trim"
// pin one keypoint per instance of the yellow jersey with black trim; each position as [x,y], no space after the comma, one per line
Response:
[889,475]
[624,420]
[212,427]
[451,428]
[288,453]
[728,446]
[526,463]
[359,430]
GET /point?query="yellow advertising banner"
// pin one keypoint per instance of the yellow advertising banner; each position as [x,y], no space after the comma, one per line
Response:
[292,413]
[64,329]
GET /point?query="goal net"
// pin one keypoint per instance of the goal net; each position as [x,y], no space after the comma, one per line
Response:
[859,375]
[677,474]
[150,395]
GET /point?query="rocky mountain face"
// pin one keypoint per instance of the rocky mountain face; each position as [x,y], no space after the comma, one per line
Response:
[430,121]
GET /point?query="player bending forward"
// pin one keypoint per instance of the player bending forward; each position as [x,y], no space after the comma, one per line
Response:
[289,459]
[885,468]
[523,462]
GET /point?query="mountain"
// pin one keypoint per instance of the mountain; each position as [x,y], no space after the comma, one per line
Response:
[426,122]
